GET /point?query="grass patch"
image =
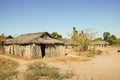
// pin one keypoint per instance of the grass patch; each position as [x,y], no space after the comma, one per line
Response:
[91,52]
[71,59]
[94,52]
[40,71]
[68,74]
[7,68]
[99,52]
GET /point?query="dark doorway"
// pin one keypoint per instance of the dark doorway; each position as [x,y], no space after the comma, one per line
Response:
[43,46]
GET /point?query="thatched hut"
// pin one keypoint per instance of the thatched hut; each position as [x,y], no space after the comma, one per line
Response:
[100,43]
[68,43]
[34,45]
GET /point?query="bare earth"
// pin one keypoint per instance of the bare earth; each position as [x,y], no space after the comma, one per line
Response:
[102,67]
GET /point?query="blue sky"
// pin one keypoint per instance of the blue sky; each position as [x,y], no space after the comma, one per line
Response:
[29,16]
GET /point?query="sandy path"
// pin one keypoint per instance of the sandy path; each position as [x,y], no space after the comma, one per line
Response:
[101,68]
[105,67]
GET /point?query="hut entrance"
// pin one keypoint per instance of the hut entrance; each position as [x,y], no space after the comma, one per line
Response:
[43,46]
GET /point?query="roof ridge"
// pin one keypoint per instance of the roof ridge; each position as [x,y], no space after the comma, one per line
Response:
[33,33]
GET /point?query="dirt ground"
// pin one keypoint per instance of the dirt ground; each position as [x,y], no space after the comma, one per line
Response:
[101,67]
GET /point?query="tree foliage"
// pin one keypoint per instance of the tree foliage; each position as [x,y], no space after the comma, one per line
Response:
[118,41]
[111,39]
[98,39]
[75,37]
[82,38]
[106,36]
[55,35]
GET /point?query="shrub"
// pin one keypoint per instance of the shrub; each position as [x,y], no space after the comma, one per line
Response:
[38,70]
[68,74]
[6,75]
[93,52]
[7,68]
[98,52]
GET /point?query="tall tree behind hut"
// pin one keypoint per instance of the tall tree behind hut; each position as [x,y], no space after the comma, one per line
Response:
[111,39]
[106,36]
[56,35]
[82,38]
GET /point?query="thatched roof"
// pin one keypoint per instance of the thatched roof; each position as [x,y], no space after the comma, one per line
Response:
[38,38]
[100,43]
[9,37]
[67,42]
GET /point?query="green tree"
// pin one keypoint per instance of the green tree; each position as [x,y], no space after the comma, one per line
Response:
[75,37]
[106,36]
[82,38]
[55,35]
[98,39]
[112,39]
[118,41]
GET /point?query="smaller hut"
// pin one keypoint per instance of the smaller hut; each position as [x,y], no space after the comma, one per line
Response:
[100,43]
[34,45]
[9,37]
[68,43]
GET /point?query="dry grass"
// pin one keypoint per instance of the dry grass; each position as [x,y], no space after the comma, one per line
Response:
[40,71]
[7,68]
[71,59]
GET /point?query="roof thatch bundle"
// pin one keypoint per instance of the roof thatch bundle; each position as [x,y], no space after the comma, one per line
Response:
[37,38]
[9,37]
[100,43]
[68,42]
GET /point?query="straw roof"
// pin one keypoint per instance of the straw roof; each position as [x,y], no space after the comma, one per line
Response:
[38,38]
[67,41]
[100,42]
[9,37]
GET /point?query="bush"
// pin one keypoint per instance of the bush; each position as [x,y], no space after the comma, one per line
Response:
[93,52]
[99,52]
[68,74]
[6,75]
[38,70]
[7,68]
